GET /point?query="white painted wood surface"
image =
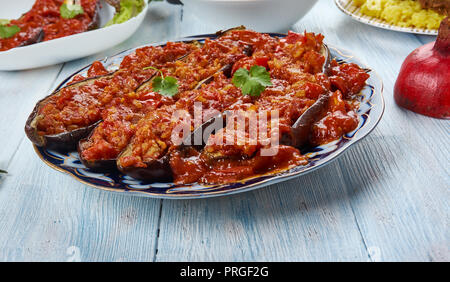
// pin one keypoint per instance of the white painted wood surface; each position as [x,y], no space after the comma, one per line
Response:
[386,199]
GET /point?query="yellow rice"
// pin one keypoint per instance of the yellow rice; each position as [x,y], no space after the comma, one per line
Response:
[404,13]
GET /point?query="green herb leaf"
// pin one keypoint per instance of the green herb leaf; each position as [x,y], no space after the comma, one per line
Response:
[252,83]
[3,171]
[167,86]
[70,11]
[8,31]
[128,9]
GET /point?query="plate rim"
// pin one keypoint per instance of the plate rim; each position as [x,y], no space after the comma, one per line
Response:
[384,25]
[270,180]
[67,48]
[7,52]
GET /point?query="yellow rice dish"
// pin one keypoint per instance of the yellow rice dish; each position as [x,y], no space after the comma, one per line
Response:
[404,13]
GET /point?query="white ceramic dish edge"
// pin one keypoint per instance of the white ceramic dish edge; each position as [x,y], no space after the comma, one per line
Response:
[71,47]
[258,15]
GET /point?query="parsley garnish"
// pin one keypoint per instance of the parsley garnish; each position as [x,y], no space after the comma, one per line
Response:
[3,171]
[166,86]
[252,83]
[8,31]
[70,10]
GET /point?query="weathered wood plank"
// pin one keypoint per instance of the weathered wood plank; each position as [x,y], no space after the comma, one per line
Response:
[19,93]
[48,216]
[426,38]
[389,180]
[385,199]
[400,173]
[306,219]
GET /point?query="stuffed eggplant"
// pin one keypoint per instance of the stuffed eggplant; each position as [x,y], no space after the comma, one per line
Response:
[57,137]
[120,117]
[147,155]
[70,113]
[287,89]
[307,91]
[120,120]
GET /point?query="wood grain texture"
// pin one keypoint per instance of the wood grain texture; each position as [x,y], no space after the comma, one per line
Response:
[386,183]
[306,219]
[19,92]
[46,215]
[402,168]
[386,199]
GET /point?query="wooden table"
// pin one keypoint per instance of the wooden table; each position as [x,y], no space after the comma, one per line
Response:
[386,199]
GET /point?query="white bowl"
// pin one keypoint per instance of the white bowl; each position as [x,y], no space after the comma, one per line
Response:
[259,15]
[66,48]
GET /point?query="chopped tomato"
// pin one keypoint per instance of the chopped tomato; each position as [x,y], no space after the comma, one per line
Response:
[249,62]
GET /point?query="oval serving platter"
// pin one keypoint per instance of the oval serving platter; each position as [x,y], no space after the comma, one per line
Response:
[370,112]
[66,48]
[348,8]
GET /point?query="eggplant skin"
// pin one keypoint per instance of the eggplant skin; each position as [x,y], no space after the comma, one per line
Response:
[300,131]
[97,165]
[65,141]
[224,32]
[36,37]
[96,18]
[156,171]
[62,142]
[327,54]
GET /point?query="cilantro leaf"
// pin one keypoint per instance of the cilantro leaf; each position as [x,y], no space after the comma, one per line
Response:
[70,11]
[166,86]
[252,83]
[8,31]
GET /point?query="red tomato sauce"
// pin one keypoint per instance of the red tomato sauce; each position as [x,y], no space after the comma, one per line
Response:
[153,137]
[139,126]
[122,119]
[295,64]
[79,105]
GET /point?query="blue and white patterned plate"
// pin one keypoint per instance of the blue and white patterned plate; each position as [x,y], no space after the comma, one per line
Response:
[370,112]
